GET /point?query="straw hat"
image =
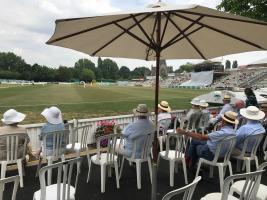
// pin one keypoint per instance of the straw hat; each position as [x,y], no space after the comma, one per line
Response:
[12,116]
[141,110]
[230,117]
[195,101]
[52,115]
[203,103]
[252,113]
[226,98]
[164,105]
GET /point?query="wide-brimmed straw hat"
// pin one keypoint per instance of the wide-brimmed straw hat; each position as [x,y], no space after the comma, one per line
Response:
[141,110]
[203,103]
[226,98]
[12,116]
[230,117]
[164,105]
[252,113]
[195,101]
[52,115]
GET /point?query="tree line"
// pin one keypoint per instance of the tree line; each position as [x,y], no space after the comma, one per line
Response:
[14,67]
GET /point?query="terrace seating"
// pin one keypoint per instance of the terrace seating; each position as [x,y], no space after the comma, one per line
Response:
[252,180]
[228,142]
[104,159]
[253,140]
[188,190]
[3,181]
[13,153]
[62,189]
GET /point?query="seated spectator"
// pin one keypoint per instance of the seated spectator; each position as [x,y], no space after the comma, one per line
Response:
[226,107]
[137,130]
[54,123]
[164,117]
[11,119]
[251,98]
[204,146]
[252,127]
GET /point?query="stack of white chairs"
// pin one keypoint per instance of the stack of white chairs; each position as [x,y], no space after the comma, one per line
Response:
[11,179]
[14,148]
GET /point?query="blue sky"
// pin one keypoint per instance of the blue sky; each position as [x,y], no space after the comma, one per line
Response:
[25,26]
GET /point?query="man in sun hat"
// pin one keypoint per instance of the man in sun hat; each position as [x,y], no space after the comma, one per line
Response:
[164,117]
[11,119]
[252,127]
[204,146]
[54,123]
[141,127]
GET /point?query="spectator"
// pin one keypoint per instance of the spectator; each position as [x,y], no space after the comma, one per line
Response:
[204,146]
[164,117]
[137,130]
[54,123]
[11,119]
[251,98]
[252,127]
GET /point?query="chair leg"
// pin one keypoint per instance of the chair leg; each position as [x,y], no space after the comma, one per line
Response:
[221,177]
[49,172]
[150,168]
[19,163]
[138,174]
[117,174]
[89,167]
[185,172]
[172,163]
[103,178]
[122,162]
[211,171]
[198,167]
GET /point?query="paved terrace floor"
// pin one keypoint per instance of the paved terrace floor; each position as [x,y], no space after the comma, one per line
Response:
[128,189]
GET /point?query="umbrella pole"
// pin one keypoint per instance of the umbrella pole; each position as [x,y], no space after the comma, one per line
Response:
[155,142]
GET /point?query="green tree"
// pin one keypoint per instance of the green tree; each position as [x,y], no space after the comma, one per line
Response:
[124,72]
[256,9]
[227,64]
[87,75]
[234,65]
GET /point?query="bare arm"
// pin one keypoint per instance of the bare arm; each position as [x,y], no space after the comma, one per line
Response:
[194,135]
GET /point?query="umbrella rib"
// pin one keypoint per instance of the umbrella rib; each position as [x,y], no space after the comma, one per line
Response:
[133,35]
[89,29]
[186,37]
[221,17]
[113,39]
[165,26]
[221,31]
[178,35]
[152,38]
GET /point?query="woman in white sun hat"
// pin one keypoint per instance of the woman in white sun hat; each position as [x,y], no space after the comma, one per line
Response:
[54,123]
[11,119]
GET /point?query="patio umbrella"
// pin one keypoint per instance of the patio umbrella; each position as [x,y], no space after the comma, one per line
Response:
[162,31]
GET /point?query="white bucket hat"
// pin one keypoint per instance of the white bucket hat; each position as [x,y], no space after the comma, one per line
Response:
[203,103]
[52,115]
[164,105]
[230,117]
[12,116]
[141,110]
[195,101]
[252,113]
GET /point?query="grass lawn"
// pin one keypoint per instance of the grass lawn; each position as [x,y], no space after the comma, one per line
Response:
[75,101]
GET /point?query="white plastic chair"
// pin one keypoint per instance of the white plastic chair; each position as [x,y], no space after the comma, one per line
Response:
[62,190]
[14,147]
[3,181]
[176,155]
[188,190]
[59,139]
[249,190]
[264,149]
[239,185]
[162,130]
[145,157]
[248,157]
[104,159]
[227,143]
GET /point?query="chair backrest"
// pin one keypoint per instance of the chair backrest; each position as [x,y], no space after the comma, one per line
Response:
[80,135]
[57,140]
[163,126]
[224,149]
[193,121]
[112,145]
[145,148]
[63,182]
[15,146]
[252,141]
[3,181]
[179,147]
[188,190]
[250,188]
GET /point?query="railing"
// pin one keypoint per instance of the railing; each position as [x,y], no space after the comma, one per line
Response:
[34,130]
